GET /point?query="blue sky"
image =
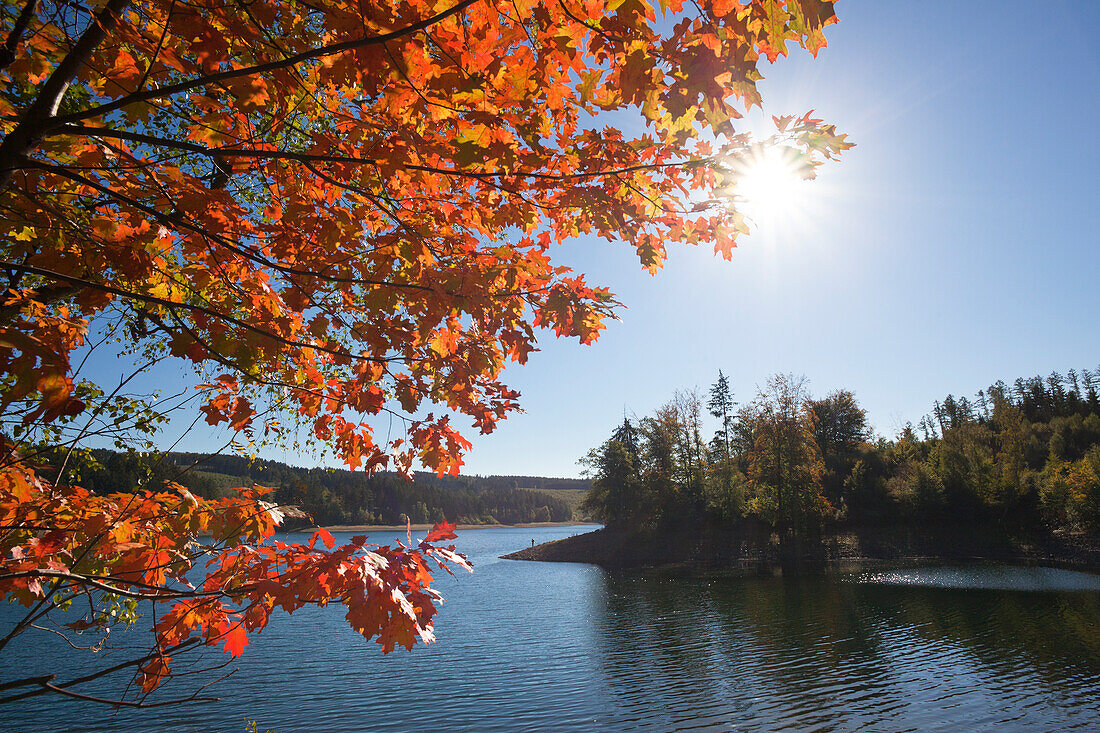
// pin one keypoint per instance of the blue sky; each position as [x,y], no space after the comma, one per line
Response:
[954,246]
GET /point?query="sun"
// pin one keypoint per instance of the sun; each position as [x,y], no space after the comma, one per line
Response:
[771,185]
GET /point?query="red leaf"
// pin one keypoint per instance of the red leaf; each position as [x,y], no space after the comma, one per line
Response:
[325,536]
[154,672]
[79,625]
[441,531]
[236,639]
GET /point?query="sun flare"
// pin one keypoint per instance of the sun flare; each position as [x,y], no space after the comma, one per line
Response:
[771,186]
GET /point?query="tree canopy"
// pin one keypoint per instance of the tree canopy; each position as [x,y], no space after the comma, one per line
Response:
[1021,460]
[334,211]
[349,208]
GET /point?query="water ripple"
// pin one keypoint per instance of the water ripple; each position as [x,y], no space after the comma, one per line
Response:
[545,647]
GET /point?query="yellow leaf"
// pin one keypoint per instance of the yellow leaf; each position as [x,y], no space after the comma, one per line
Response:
[160,290]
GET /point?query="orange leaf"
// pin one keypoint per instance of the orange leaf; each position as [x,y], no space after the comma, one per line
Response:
[441,531]
[236,639]
[326,537]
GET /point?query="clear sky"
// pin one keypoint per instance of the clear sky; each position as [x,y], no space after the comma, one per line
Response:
[954,246]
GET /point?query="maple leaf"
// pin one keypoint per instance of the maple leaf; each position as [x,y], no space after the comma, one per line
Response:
[325,536]
[236,639]
[441,531]
[155,671]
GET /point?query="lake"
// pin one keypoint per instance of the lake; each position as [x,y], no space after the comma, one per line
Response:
[542,646]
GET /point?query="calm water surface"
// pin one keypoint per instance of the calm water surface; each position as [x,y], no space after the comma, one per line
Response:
[544,646]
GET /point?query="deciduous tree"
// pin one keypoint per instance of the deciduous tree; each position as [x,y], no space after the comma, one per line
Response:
[617,496]
[785,466]
[334,211]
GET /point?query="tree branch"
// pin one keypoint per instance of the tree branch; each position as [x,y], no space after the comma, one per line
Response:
[34,121]
[45,682]
[181,223]
[7,52]
[142,297]
[78,579]
[127,703]
[314,53]
[12,304]
[104,132]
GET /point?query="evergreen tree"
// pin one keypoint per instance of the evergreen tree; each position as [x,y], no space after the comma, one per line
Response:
[720,404]
[616,497]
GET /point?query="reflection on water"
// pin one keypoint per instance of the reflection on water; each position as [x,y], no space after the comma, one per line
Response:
[993,577]
[815,653]
[539,646]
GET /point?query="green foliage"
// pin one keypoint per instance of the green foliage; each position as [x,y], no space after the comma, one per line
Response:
[785,465]
[1070,491]
[916,490]
[839,429]
[573,498]
[617,495]
[1021,458]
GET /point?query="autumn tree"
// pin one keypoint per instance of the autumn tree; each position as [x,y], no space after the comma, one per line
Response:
[617,497]
[334,211]
[785,466]
[840,428]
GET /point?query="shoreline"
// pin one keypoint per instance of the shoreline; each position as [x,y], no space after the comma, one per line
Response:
[367,528]
[748,551]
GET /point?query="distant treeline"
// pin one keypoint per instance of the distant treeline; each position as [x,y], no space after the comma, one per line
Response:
[1024,457]
[333,496]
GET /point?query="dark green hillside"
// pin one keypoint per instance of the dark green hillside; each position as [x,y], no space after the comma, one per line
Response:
[334,496]
[573,497]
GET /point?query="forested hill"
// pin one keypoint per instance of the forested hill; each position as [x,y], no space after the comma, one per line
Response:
[334,496]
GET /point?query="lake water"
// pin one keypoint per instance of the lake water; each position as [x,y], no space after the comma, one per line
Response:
[543,646]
